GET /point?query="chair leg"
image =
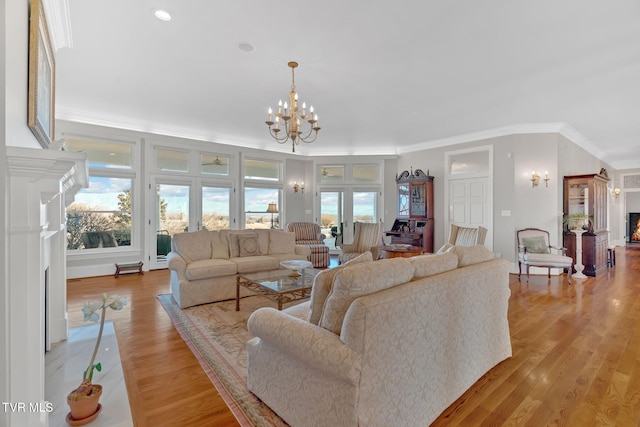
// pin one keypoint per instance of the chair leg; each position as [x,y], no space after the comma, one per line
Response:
[527,272]
[519,269]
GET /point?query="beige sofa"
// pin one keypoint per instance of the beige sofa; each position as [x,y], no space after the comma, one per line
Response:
[390,342]
[204,264]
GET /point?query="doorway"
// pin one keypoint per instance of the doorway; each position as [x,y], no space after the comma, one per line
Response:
[468,190]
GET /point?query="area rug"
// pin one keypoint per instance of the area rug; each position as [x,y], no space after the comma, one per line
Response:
[217,336]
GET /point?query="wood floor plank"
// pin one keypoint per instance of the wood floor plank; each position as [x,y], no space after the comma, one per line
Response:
[576,354]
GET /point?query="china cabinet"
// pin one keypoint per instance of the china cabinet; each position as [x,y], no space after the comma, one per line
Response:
[414,222]
[587,194]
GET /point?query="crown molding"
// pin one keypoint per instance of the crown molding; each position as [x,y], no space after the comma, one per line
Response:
[59,23]
[563,129]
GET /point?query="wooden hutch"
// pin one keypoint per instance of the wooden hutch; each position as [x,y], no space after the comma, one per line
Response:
[588,194]
[414,223]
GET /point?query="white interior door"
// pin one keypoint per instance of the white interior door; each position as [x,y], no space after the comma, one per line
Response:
[470,204]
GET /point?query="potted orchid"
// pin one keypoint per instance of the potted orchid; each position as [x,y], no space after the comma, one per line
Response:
[83,401]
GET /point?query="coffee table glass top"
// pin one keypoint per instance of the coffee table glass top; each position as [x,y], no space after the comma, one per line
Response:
[280,281]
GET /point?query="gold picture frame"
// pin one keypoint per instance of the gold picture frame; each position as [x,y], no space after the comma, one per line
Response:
[42,71]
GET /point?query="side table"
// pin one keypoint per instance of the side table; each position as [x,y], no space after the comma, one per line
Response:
[395,252]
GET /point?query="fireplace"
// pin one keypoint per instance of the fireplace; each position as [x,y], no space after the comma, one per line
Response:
[634,227]
[40,184]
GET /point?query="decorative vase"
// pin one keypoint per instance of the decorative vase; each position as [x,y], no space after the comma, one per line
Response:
[86,408]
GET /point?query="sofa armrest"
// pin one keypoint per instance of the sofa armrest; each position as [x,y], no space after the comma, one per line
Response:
[176,262]
[298,339]
[302,250]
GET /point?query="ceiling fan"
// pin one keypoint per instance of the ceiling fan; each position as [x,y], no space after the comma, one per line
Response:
[325,172]
[216,162]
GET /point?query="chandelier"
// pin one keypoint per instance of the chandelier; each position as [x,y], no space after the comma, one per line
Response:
[291,119]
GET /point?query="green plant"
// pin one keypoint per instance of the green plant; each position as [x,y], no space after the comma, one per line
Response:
[576,220]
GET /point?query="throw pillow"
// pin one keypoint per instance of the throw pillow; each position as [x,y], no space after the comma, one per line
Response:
[322,285]
[234,244]
[430,265]
[469,255]
[219,246]
[249,245]
[281,242]
[358,280]
[536,245]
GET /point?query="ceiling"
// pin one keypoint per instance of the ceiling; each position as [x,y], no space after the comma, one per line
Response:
[384,77]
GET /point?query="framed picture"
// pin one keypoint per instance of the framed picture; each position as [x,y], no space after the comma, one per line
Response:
[42,72]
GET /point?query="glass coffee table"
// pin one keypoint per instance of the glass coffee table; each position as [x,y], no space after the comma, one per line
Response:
[278,285]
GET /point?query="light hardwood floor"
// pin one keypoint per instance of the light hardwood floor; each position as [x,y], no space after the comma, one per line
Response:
[576,354]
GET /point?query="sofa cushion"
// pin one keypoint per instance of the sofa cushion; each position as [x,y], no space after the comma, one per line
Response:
[468,255]
[263,239]
[281,242]
[358,280]
[322,285]
[234,244]
[429,265]
[249,245]
[193,246]
[219,245]
[209,268]
[254,264]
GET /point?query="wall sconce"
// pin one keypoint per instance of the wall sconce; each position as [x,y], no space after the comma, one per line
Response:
[297,187]
[535,179]
[615,192]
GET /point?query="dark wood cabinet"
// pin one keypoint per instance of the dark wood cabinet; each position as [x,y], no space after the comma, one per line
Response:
[588,194]
[414,222]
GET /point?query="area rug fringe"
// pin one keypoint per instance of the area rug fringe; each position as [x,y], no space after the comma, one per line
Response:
[217,335]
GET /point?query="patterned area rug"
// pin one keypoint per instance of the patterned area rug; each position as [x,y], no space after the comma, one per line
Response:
[217,335]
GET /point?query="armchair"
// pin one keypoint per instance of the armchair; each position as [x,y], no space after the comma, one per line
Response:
[310,234]
[467,236]
[367,237]
[534,250]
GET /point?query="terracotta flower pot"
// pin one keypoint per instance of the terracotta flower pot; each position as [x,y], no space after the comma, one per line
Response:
[84,406]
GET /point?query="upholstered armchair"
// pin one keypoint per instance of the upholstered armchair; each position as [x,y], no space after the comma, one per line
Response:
[367,237]
[310,234]
[306,232]
[467,236]
[534,250]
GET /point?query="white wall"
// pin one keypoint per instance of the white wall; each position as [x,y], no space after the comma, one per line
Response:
[515,157]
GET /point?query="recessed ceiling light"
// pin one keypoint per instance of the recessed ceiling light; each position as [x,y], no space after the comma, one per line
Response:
[246,47]
[162,15]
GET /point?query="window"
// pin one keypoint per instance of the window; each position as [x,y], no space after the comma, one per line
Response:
[332,174]
[172,160]
[103,154]
[256,203]
[365,173]
[100,216]
[262,170]
[211,164]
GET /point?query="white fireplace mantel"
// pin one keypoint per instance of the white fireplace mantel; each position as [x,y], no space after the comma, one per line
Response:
[41,184]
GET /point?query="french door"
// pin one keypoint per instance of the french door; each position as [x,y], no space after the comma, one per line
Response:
[341,208]
[181,205]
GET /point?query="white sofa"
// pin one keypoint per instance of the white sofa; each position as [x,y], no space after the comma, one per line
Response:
[390,342]
[204,264]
